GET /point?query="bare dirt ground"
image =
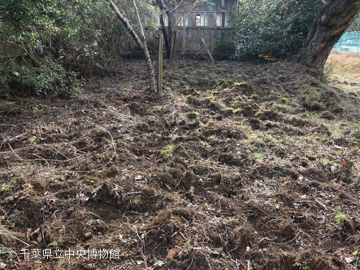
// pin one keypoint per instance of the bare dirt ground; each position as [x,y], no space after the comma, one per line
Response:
[233,166]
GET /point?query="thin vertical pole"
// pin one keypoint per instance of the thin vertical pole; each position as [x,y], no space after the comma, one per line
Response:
[184,38]
[160,63]
[223,13]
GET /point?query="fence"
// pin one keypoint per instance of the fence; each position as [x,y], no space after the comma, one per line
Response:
[207,20]
[349,42]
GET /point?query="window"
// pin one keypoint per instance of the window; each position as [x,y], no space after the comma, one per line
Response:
[205,19]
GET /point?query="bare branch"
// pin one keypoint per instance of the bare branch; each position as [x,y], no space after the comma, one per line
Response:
[127,24]
[141,43]
[177,6]
[163,4]
[138,16]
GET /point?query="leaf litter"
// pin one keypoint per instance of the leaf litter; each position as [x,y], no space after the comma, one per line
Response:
[232,166]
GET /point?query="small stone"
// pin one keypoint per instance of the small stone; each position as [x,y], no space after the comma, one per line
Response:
[89,266]
[2,266]
[15,213]
[87,234]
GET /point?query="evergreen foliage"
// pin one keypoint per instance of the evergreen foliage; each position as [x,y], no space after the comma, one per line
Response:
[46,44]
[274,29]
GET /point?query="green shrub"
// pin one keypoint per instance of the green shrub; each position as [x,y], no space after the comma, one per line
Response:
[45,45]
[30,60]
[224,46]
[272,29]
[48,77]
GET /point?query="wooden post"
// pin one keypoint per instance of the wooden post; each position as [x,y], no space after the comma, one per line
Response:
[173,46]
[223,19]
[207,49]
[193,18]
[223,13]
[160,63]
[184,40]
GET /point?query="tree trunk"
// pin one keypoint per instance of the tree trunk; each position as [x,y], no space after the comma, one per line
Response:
[327,29]
[141,44]
[146,53]
[170,30]
[167,34]
[163,29]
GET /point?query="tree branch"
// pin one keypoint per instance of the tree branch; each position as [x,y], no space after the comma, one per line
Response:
[138,16]
[141,43]
[177,6]
[163,4]
[127,24]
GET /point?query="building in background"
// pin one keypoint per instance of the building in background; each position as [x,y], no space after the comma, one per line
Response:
[205,20]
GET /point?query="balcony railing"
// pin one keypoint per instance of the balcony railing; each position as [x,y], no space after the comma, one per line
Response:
[203,19]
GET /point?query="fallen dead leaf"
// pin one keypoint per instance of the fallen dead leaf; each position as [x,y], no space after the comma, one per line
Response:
[173,253]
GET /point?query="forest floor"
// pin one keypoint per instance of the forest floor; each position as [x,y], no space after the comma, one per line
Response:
[233,166]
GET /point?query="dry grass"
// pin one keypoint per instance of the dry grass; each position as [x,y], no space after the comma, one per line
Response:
[343,70]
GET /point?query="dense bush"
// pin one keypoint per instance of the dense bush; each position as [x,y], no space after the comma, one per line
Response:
[225,47]
[43,43]
[271,28]
[29,59]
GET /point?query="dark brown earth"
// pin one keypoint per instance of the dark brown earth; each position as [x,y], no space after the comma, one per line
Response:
[233,166]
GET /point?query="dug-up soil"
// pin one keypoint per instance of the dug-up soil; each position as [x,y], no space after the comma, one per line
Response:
[232,166]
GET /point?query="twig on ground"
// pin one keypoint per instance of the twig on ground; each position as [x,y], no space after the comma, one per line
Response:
[14,152]
[290,240]
[142,247]
[8,234]
[129,193]
[207,260]
[99,220]
[42,159]
[43,236]
[183,236]
[192,260]
[155,248]
[94,214]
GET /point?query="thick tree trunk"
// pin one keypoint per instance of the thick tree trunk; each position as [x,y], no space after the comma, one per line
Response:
[141,44]
[327,29]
